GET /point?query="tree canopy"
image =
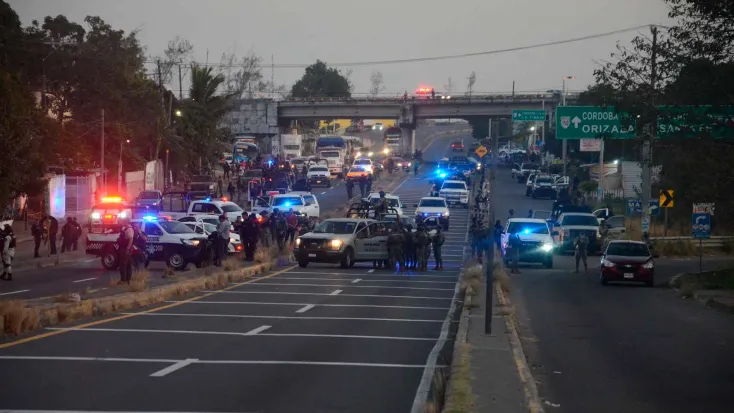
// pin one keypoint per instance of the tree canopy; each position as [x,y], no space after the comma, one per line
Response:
[319,80]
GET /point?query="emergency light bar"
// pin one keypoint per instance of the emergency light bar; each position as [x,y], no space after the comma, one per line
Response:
[149,218]
[111,199]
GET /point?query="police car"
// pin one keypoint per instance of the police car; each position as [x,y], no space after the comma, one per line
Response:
[393,202]
[170,241]
[206,227]
[109,211]
[430,206]
[344,241]
[535,236]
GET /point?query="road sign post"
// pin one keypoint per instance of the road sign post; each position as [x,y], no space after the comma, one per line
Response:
[481,151]
[667,200]
[592,122]
[700,229]
[531,115]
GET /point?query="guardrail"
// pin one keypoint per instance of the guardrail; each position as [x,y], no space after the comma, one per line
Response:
[713,242]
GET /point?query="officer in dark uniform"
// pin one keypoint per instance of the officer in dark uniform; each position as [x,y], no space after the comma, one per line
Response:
[409,247]
[249,233]
[438,241]
[395,248]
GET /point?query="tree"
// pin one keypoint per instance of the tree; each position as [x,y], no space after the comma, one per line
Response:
[319,80]
[177,50]
[243,77]
[470,85]
[705,28]
[449,87]
[202,138]
[378,85]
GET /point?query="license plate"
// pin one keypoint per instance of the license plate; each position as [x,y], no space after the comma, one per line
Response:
[318,182]
[629,275]
[312,255]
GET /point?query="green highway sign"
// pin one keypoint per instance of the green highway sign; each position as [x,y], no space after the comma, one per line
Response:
[531,115]
[694,121]
[591,122]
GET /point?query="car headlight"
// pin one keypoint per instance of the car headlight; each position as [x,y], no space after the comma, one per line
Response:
[446,213]
[122,214]
[298,242]
[191,242]
[547,247]
[607,263]
[409,163]
[336,244]
[96,215]
[649,265]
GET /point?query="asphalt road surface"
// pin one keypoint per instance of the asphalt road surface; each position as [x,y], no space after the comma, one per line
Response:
[89,275]
[623,348]
[317,339]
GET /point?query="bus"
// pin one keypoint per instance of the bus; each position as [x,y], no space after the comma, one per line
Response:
[243,151]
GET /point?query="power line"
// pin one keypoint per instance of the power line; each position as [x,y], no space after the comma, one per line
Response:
[435,58]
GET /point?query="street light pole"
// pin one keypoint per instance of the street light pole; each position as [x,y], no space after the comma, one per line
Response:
[564,152]
[101,160]
[119,169]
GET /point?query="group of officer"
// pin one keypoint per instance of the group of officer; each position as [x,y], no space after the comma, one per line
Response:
[411,250]
[278,228]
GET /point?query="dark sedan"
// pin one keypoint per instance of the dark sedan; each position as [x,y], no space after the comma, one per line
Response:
[628,261]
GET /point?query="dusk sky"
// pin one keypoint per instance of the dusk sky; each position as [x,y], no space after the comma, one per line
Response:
[301,31]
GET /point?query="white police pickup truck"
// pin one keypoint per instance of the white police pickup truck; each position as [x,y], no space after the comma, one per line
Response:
[344,241]
[535,236]
[455,193]
[393,202]
[170,241]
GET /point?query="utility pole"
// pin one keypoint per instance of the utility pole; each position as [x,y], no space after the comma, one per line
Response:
[564,151]
[101,159]
[272,77]
[649,135]
[180,83]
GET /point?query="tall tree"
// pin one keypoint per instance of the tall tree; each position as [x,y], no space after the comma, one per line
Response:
[177,51]
[377,84]
[705,28]
[243,76]
[319,80]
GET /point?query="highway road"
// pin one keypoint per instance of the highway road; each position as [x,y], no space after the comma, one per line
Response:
[88,275]
[316,339]
[617,348]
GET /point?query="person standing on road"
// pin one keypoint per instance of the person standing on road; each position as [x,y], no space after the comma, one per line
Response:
[225,167]
[67,232]
[409,251]
[265,235]
[438,241]
[350,189]
[231,191]
[7,237]
[395,248]
[498,235]
[390,165]
[77,234]
[603,234]
[53,230]
[125,250]
[415,167]
[223,230]
[422,240]
[376,174]
[514,244]
[362,186]
[249,232]
[292,221]
[37,233]
[140,248]
[281,229]
[581,243]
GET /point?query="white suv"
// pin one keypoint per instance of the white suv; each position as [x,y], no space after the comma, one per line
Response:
[431,206]
[306,205]
[455,192]
[319,175]
[365,163]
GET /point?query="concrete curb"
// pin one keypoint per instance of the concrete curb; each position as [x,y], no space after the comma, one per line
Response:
[58,313]
[526,377]
[460,340]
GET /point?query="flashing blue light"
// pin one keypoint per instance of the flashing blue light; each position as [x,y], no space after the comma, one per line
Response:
[438,171]
[149,218]
[442,175]
[208,199]
[526,231]
[287,204]
[425,214]
[270,162]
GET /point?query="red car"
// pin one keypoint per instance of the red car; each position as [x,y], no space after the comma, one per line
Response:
[457,146]
[628,261]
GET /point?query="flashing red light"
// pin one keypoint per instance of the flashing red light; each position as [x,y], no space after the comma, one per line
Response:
[108,216]
[225,199]
[238,247]
[259,219]
[111,199]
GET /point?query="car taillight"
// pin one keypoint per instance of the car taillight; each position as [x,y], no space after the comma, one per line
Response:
[238,247]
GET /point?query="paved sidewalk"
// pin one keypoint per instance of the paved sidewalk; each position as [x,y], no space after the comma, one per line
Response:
[495,382]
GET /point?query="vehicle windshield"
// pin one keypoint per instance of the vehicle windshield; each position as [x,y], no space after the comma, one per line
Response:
[432,203]
[584,220]
[287,201]
[628,249]
[148,195]
[297,161]
[335,227]
[529,166]
[543,181]
[453,185]
[319,169]
[527,228]
[363,162]
[330,154]
[175,227]
[231,208]
[356,169]
[208,228]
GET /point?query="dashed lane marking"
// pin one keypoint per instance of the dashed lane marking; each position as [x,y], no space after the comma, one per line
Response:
[280,317]
[305,308]
[85,279]
[409,307]
[336,292]
[341,295]
[368,281]
[257,330]
[354,281]
[14,292]
[357,286]
[175,366]
[238,334]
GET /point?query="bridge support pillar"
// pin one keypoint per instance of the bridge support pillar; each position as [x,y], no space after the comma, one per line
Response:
[408,144]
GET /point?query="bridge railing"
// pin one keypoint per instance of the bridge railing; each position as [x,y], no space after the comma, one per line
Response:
[548,97]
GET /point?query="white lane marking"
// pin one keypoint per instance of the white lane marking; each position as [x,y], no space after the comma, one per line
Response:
[170,369]
[355,286]
[257,330]
[272,362]
[330,294]
[371,281]
[336,292]
[421,394]
[374,275]
[305,308]
[86,279]
[280,317]
[354,281]
[15,292]
[323,193]
[238,334]
[370,271]
[409,307]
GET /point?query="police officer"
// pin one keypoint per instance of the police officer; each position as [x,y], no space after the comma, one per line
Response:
[140,250]
[37,232]
[124,250]
[273,224]
[223,230]
[304,171]
[377,173]
[603,234]
[514,244]
[362,186]
[581,243]
[409,252]
[438,241]
[369,185]
[383,204]
[350,189]
[265,235]
[249,233]
[395,248]
[422,240]
[477,237]
[281,230]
